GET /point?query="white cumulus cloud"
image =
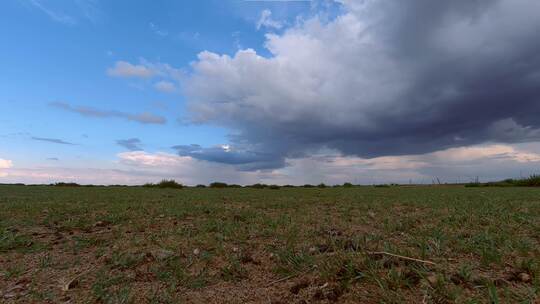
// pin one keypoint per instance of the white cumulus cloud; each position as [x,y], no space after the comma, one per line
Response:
[167,78]
[4,164]
[126,69]
[267,21]
[383,78]
[165,86]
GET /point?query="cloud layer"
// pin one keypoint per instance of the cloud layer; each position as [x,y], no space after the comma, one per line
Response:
[144,118]
[464,164]
[383,78]
[126,69]
[245,160]
[4,164]
[56,16]
[166,78]
[132,144]
[266,21]
[52,140]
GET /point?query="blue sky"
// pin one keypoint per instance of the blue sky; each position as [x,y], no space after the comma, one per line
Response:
[59,51]
[249,91]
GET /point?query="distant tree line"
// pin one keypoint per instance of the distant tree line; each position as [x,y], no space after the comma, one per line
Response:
[531,181]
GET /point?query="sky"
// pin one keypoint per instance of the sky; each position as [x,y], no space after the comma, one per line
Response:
[277,92]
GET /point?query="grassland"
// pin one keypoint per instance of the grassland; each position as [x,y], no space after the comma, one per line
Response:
[292,245]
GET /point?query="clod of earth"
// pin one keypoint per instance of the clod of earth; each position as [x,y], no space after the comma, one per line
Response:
[162,254]
[524,277]
[432,279]
[304,283]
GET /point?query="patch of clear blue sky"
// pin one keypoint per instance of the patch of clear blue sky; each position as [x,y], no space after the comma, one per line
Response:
[59,51]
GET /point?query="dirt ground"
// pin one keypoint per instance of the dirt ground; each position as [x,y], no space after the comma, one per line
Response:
[292,245]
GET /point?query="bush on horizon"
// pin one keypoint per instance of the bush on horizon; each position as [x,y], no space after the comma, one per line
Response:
[166,183]
[62,184]
[218,185]
[531,181]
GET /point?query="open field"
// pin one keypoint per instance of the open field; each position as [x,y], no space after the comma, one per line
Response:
[292,245]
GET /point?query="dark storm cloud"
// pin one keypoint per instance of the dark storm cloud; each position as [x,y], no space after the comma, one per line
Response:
[52,140]
[132,144]
[385,78]
[144,118]
[243,159]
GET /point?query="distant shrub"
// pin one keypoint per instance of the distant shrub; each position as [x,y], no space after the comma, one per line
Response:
[475,183]
[531,181]
[234,186]
[169,184]
[288,186]
[62,184]
[218,185]
[258,186]
[347,185]
[505,183]
[273,187]
[166,183]
[382,186]
[308,186]
[321,185]
[200,186]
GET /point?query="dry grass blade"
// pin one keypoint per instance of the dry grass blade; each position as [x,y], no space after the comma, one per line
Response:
[294,275]
[69,284]
[400,257]
[283,279]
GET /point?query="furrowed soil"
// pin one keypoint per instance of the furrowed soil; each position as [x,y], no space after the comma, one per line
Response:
[430,244]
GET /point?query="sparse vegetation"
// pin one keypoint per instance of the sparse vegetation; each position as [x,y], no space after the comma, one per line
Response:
[218,185]
[431,244]
[62,184]
[166,183]
[258,186]
[531,181]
